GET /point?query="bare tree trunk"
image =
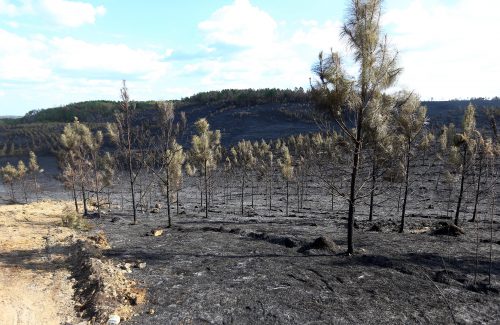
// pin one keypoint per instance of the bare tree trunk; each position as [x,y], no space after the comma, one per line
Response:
[352,194]
[460,194]
[168,202]
[132,190]
[36,187]
[75,199]
[129,160]
[298,196]
[438,178]
[206,191]
[141,206]
[450,190]
[96,179]
[85,210]
[25,192]
[287,198]
[407,169]
[372,193]
[270,193]
[252,193]
[224,191]
[242,191]
[476,259]
[177,201]
[132,185]
[491,234]
[399,195]
[478,188]
[12,195]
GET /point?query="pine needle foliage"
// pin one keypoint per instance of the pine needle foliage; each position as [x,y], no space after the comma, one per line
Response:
[345,97]
[204,154]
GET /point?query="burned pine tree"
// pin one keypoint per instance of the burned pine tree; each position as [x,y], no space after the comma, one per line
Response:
[342,97]
[82,161]
[464,151]
[127,138]
[168,156]
[9,177]
[34,170]
[243,158]
[204,155]
[286,168]
[409,119]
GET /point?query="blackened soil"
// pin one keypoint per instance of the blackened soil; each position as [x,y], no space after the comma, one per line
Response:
[229,269]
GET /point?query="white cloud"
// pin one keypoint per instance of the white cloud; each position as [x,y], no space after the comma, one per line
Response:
[168,52]
[448,51]
[78,55]
[9,9]
[319,37]
[240,24]
[38,58]
[267,57]
[40,71]
[22,58]
[13,24]
[72,13]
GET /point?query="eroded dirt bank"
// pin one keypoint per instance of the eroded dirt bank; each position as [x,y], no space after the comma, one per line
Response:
[50,274]
[35,279]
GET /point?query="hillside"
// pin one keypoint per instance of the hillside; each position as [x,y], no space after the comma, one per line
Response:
[239,114]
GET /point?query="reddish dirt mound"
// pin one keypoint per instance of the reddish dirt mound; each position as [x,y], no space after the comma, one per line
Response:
[102,288]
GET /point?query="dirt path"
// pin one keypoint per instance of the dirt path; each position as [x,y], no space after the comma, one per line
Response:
[35,284]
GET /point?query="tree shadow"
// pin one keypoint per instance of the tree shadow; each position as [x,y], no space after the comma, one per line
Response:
[37,259]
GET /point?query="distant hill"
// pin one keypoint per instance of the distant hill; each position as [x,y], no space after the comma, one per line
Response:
[239,114]
[9,117]
[452,111]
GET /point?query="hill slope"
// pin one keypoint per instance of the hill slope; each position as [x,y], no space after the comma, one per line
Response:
[239,114]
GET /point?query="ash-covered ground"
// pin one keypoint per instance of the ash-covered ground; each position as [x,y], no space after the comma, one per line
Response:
[264,267]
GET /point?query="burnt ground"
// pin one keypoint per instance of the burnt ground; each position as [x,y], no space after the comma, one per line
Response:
[256,268]
[232,269]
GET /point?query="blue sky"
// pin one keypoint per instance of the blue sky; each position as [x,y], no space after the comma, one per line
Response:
[53,52]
